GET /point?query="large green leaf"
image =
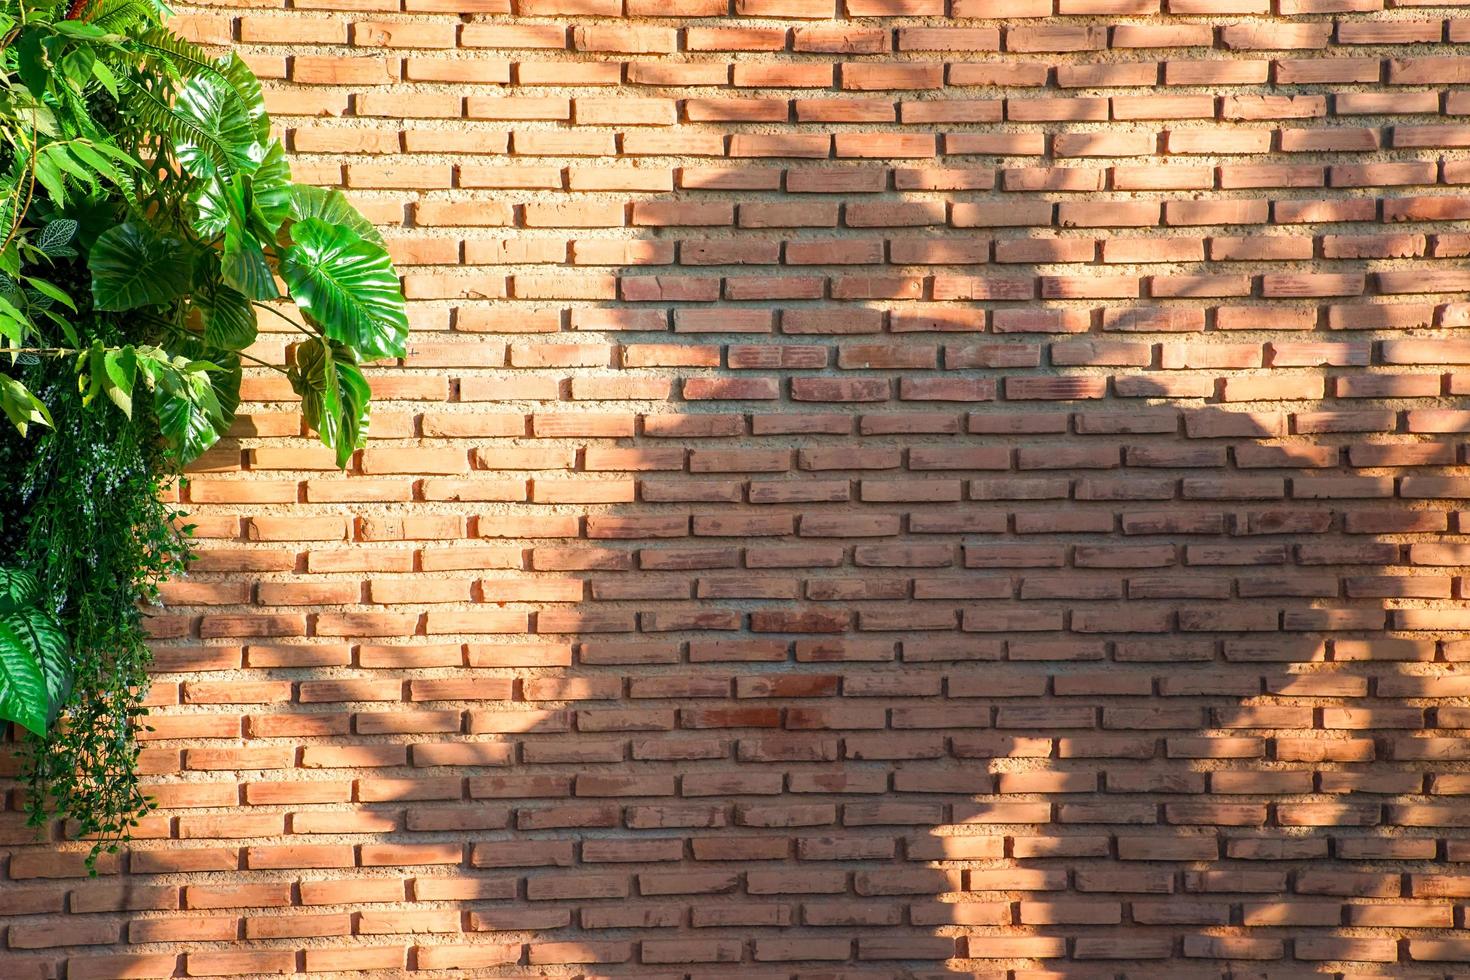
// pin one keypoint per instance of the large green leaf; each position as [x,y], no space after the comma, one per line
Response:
[189,415]
[30,60]
[229,319]
[216,202]
[186,427]
[270,192]
[348,286]
[53,654]
[330,206]
[247,89]
[224,378]
[334,395]
[154,112]
[222,128]
[220,210]
[225,383]
[313,376]
[234,98]
[354,397]
[244,266]
[35,658]
[133,266]
[23,697]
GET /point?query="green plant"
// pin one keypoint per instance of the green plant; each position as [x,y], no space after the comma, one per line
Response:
[147,216]
[35,662]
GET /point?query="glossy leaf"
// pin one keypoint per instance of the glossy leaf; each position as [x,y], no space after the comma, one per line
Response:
[215,206]
[222,97]
[223,376]
[243,265]
[220,213]
[189,413]
[224,381]
[334,395]
[222,127]
[331,207]
[354,397]
[133,265]
[348,286]
[313,376]
[229,319]
[247,88]
[52,652]
[23,697]
[270,192]
[35,662]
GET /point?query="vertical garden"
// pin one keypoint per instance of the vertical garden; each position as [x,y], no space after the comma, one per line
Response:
[147,220]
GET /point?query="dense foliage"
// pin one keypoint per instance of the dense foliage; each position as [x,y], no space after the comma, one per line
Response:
[146,215]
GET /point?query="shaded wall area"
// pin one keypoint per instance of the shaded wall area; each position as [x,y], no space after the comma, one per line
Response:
[906,490]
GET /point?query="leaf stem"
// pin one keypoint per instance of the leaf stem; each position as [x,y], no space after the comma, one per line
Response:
[255,360]
[298,326]
[20,212]
[178,331]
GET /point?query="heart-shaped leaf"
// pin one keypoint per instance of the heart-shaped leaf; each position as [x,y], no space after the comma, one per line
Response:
[229,319]
[330,206]
[133,266]
[348,286]
[222,135]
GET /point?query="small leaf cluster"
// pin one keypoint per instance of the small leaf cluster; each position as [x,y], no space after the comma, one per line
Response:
[147,219]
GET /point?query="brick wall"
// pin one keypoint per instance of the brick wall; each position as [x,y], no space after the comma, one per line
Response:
[895,489]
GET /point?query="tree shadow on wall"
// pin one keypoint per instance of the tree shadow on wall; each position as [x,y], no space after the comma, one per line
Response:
[1096,690]
[988,649]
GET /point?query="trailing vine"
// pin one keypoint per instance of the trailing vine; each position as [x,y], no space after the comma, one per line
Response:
[99,538]
[146,216]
